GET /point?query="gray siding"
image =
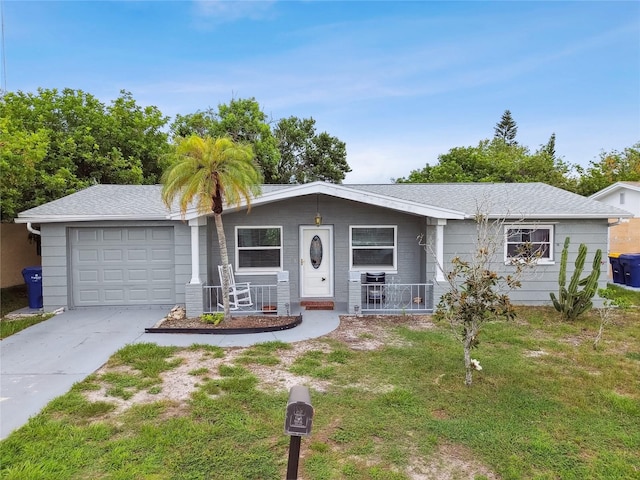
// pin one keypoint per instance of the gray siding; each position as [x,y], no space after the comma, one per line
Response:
[543,279]
[54,266]
[337,212]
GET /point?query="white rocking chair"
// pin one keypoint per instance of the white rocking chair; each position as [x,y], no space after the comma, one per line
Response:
[239,293]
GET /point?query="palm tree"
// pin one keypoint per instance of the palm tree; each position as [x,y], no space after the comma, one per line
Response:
[210,172]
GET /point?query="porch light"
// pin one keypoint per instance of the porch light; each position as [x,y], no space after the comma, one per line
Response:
[318,218]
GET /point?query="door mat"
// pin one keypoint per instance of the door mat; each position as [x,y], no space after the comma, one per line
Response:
[317,305]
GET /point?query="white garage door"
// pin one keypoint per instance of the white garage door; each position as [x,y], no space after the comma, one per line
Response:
[122,266]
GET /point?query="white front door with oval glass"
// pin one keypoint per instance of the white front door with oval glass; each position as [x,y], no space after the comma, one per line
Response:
[316,261]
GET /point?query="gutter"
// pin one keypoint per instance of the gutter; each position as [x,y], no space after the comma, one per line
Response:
[33,230]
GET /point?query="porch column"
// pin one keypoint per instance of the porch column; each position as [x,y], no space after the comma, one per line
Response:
[194,293]
[195,225]
[439,246]
[435,245]
[355,293]
[283,293]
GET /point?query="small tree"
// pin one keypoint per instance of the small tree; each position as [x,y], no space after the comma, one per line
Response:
[609,305]
[211,173]
[476,292]
[575,299]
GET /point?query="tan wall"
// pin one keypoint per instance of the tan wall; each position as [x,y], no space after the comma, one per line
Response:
[625,238]
[16,252]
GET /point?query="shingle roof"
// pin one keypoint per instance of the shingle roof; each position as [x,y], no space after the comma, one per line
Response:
[498,199]
[143,202]
[109,201]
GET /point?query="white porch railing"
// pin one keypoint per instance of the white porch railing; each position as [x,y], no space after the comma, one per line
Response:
[397,297]
[263,297]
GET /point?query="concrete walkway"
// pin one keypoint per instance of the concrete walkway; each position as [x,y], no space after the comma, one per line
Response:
[45,360]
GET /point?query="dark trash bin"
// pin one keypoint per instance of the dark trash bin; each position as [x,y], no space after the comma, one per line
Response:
[630,263]
[33,278]
[616,268]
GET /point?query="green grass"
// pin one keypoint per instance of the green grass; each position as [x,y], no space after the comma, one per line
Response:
[12,299]
[9,327]
[632,297]
[546,405]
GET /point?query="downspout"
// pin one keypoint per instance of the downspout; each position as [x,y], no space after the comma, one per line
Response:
[33,230]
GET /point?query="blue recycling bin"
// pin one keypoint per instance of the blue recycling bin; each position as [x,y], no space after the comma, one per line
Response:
[33,278]
[616,269]
[630,263]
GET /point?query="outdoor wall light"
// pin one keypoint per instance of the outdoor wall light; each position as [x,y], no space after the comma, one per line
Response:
[318,218]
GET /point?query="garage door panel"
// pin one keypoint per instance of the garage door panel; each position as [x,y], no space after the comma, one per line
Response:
[162,235]
[161,254]
[113,295]
[160,275]
[159,294]
[86,236]
[88,276]
[109,275]
[137,275]
[111,235]
[122,266]
[137,255]
[90,255]
[89,297]
[137,235]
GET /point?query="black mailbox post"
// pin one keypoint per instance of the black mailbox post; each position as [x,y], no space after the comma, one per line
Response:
[298,421]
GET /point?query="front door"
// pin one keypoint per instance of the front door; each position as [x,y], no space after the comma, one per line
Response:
[316,261]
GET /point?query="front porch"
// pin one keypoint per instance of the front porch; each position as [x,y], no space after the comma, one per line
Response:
[363,298]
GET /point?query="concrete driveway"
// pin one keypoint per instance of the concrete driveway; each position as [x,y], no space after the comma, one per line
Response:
[43,362]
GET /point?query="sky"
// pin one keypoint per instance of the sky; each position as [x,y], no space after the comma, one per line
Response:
[399,82]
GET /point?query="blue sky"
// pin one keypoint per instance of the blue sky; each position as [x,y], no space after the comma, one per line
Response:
[399,82]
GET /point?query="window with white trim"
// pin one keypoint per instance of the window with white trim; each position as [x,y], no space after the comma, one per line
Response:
[258,249]
[529,241]
[373,247]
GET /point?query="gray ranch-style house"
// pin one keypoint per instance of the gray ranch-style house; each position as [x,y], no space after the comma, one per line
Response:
[354,245]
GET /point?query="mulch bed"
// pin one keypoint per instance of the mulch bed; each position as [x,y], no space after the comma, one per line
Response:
[237,325]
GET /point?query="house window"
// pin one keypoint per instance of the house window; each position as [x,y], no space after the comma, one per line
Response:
[258,249]
[621,198]
[373,247]
[528,241]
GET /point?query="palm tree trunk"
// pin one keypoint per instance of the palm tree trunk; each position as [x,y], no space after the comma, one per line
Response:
[224,259]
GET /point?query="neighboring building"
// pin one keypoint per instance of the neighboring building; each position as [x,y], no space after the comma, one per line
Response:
[19,250]
[624,235]
[119,245]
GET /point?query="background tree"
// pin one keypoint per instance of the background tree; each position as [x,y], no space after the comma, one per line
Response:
[308,157]
[494,161]
[209,173]
[291,152]
[506,129]
[20,155]
[86,141]
[612,167]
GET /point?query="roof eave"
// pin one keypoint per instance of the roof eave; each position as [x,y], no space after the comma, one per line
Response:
[86,218]
[338,191]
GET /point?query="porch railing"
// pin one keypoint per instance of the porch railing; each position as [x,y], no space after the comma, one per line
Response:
[263,297]
[397,297]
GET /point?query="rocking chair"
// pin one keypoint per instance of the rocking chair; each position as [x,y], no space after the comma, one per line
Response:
[239,293]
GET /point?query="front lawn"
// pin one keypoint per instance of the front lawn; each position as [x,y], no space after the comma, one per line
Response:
[389,398]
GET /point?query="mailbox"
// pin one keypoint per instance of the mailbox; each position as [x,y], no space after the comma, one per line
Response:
[299,415]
